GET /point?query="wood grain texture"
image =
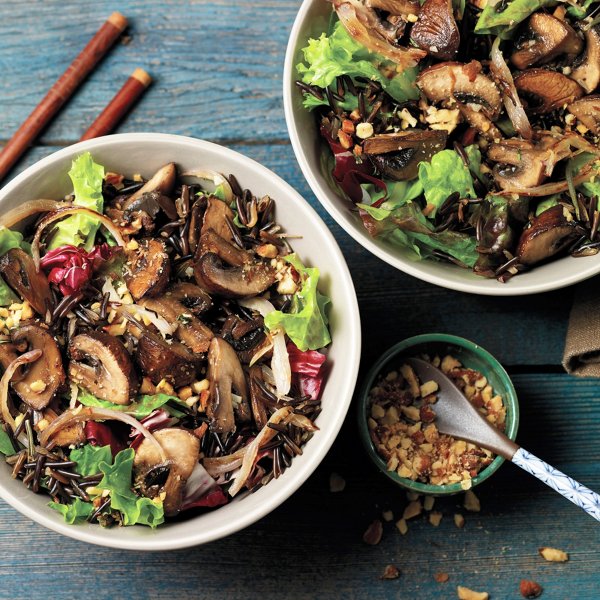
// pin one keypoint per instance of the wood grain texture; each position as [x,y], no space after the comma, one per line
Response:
[217,67]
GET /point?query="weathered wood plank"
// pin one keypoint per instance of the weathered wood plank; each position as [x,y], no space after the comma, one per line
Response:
[217,65]
[311,546]
[527,330]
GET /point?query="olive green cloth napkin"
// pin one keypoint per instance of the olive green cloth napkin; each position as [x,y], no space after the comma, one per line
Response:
[582,347]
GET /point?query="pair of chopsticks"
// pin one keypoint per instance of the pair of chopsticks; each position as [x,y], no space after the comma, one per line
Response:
[66,85]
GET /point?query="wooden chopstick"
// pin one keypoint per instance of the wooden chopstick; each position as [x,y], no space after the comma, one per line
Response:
[62,90]
[118,107]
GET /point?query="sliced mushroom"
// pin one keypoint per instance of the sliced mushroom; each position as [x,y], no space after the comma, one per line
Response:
[159,359]
[162,182]
[365,26]
[150,269]
[436,31]
[548,234]
[101,364]
[396,7]
[43,378]
[587,111]
[398,155]
[259,411]
[545,38]
[190,330]
[546,90]
[151,203]
[587,72]
[196,217]
[8,353]
[18,269]
[226,375]
[519,164]
[245,337]
[193,297]
[211,241]
[153,476]
[449,82]
[215,217]
[250,279]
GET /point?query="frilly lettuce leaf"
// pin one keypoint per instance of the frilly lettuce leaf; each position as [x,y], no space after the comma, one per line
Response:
[117,480]
[88,458]
[6,446]
[139,409]
[75,512]
[331,56]
[493,20]
[306,324]
[444,175]
[80,230]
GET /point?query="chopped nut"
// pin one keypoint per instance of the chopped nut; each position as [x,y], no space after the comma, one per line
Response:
[449,363]
[185,392]
[347,126]
[374,533]
[390,572]
[459,520]
[428,502]
[428,387]
[467,594]
[200,386]
[132,245]
[387,515]
[466,484]
[413,509]
[411,378]
[553,554]
[441,577]
[435,518]
[38,386]
[336,483]
[471,502]
[377,411]
[364,130]
[402,526]
[345,140]
[164,387]
[530,589]
[267,251]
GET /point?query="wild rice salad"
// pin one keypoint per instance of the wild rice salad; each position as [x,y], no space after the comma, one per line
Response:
[161,345]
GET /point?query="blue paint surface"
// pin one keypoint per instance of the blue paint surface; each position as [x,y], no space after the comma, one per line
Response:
[218,69]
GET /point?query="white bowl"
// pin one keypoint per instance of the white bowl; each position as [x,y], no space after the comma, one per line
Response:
[144,153]
[311,21]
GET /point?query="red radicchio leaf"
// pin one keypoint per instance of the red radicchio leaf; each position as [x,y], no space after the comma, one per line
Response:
[306,369]
[157,419]
[99,434]
[309,386]
[201,490]
[349,174]
[71,268]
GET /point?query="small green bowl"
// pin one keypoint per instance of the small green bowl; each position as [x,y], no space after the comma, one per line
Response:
[470,355]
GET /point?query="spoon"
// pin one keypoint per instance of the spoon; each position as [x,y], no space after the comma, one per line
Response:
[456,416]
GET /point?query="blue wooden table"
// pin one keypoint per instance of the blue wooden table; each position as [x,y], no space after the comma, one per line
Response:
[218,68]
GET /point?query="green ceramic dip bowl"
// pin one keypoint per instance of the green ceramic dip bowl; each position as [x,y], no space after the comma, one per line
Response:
[470,355]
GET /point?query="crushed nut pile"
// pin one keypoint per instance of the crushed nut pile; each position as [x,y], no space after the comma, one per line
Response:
[403,432]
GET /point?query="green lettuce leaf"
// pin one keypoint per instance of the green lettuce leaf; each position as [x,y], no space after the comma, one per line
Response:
[75,512]
[306,323]
[80,230]
[139,409]
[6,446]
[330,56]
[444,175]
[88,458]
[546,204]
[580,10]
[117,480]
[503,22]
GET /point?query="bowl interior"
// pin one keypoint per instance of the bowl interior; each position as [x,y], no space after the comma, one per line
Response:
[470,355]
[145,153]
[313,19]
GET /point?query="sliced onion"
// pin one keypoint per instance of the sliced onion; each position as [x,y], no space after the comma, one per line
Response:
[512,102]
[92,413]
[261,351]
[64,212]
[30,208]
[303,422]
[215,177]
[224,464]
[24,359]
[163,326]
[259,304]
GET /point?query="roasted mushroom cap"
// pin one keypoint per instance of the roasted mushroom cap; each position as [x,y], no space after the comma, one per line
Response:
[436,31]
[216,215]
[162,182]
[548,234]
[190,330]
[365,26]
[397,155]
[545,38]
[159,360]
[225,374]
[150,269]
[396,7]
[519,164]
[546,90]
[46,375]
[587,111]
[110,374]
[182,450]
[587,72]
[151,203]
[8,353]
[223,248]
[19,271]
[193,297]
[453,81]
[245,337]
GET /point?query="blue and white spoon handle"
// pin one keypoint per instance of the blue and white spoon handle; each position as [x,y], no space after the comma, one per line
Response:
[563,484]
